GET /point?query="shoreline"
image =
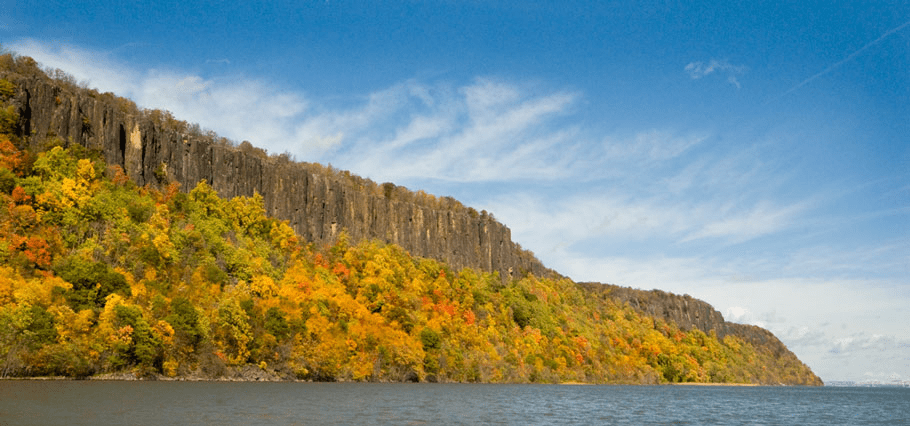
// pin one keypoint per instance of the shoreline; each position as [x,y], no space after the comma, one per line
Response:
[129,377]
[722,384]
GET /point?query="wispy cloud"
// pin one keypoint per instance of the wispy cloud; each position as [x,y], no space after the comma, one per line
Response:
[699,69]
[861,342]
[650,146]
[95,67]
[762,219]
[609,219]
[483,131]
[237,108]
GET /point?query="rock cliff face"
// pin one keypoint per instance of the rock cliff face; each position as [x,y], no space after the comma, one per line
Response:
[154,148]
[690,313]
[686,311]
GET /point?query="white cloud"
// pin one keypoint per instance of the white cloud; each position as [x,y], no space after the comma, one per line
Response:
[699,69]
[238,108]
[738,314]
[861,342]
[607,216]
[804,336]
[484,131]
[85,65]
[762,219]
[649,147]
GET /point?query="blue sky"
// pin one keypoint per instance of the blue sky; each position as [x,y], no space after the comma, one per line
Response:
[756,157]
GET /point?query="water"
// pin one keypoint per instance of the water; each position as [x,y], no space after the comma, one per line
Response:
[138,403]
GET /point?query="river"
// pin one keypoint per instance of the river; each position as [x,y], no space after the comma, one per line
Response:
[36,402]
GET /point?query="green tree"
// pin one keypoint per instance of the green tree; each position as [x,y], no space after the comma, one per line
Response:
[185,321]
[276,323]
[92,282]
[144,349]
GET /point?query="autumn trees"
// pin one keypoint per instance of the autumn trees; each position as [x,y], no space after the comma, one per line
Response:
[102,276]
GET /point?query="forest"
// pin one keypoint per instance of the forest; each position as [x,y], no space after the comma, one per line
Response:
[99,275]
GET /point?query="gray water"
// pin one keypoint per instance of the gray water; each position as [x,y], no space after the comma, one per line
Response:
[216,403]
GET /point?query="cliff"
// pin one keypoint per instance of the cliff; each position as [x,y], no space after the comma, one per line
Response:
[319,202]
[690,313]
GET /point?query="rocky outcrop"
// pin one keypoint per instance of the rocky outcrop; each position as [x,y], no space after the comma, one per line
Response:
[690,313]
[318,202]
[686,311]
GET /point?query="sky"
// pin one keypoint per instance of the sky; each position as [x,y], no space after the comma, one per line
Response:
[753,156]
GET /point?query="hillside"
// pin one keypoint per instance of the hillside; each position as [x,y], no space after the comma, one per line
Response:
[136,242]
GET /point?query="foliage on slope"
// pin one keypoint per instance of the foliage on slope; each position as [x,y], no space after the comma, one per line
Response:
[98,275]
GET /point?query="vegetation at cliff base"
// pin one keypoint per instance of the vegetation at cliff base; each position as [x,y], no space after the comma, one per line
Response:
[100,276]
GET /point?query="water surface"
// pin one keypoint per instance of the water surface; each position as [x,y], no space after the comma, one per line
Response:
[203,403]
